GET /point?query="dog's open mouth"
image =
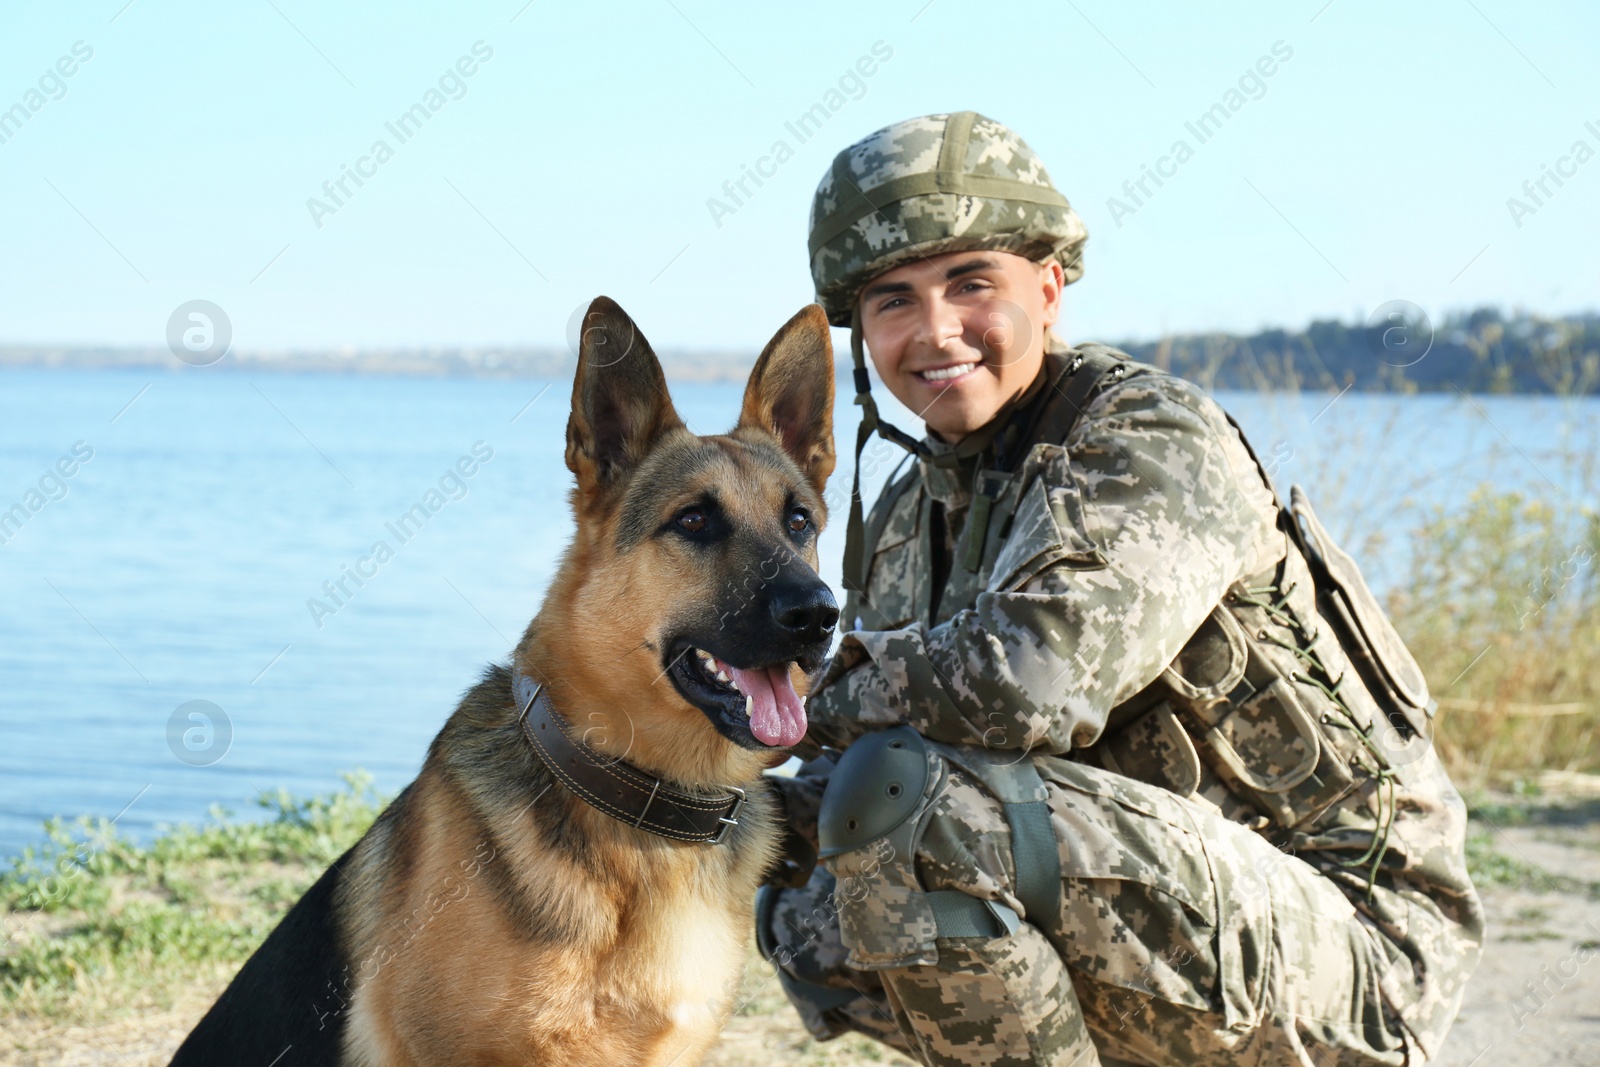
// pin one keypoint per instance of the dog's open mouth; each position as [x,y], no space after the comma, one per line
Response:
[753,706]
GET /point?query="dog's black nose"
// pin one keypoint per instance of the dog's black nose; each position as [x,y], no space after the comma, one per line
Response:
[807,611]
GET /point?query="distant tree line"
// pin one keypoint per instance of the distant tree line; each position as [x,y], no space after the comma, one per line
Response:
[1482,351]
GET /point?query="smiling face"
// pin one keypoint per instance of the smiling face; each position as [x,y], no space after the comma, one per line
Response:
[688,613]
[956,337]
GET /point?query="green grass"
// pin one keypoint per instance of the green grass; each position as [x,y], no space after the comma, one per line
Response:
[98,931]
[90,910]
[1492,866]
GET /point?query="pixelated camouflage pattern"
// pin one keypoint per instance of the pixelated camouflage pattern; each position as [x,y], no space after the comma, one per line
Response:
[1002,1003]
[1120,547]
[1113,560]
[932,223]
[1182,938]
[831,998]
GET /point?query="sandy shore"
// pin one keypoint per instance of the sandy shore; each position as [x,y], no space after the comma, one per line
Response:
[1535,1001]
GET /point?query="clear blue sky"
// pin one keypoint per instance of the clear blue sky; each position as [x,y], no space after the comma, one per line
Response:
[176,163]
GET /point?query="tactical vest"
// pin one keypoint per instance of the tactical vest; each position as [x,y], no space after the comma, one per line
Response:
[1294,695]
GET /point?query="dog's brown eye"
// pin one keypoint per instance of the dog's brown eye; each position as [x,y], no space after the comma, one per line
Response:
[798,521]
[693,520]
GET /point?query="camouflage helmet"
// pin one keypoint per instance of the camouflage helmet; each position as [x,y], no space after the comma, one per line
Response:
[940,183]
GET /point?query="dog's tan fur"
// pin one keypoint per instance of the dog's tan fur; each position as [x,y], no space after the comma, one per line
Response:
[550,933]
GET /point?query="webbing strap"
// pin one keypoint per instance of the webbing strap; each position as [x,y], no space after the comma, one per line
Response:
[1012,779]
[953,146]
[855,564]
[958,915]
[1038,864]
[856,204]
[1089,367]
[977,530]
[855,571]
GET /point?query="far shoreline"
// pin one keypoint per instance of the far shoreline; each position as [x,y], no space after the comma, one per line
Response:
[732,369]
[1483,351]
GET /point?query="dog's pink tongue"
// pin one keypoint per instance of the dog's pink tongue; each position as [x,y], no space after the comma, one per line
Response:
[776,715]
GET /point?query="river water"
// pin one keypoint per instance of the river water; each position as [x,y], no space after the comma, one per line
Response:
[187,522]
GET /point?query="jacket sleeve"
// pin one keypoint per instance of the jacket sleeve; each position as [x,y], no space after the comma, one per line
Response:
[1173,511]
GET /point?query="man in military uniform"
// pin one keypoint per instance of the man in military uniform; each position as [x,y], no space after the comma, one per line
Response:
[1119,761]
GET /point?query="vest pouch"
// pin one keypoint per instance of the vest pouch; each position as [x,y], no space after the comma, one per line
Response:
[1155,748]
[1209,667]
[1269,743]
[1369,639]
[1271,749]
[1251,724]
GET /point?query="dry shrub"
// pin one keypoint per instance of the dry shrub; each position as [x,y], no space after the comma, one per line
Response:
[1503,612]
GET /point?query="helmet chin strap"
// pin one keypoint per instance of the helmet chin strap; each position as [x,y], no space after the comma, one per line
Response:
[855,572]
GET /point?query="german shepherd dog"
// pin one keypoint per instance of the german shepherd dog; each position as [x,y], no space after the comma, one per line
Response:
[524,901]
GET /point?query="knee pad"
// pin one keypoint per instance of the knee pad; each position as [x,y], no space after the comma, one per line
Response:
[878,785]
[873,814]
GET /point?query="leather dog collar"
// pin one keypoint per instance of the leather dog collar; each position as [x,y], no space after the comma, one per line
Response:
[618,788]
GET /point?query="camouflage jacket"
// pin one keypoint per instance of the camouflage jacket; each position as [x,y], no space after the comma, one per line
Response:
[1107,559]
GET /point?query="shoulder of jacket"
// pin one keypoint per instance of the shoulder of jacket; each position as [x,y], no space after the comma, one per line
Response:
[1149,404]
[1134,402]
[1143,386]
[1089,348]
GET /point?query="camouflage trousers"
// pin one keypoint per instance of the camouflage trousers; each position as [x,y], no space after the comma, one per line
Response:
[1181,938]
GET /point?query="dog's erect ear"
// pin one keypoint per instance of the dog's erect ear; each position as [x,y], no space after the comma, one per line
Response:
[791,393]
[619,398]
